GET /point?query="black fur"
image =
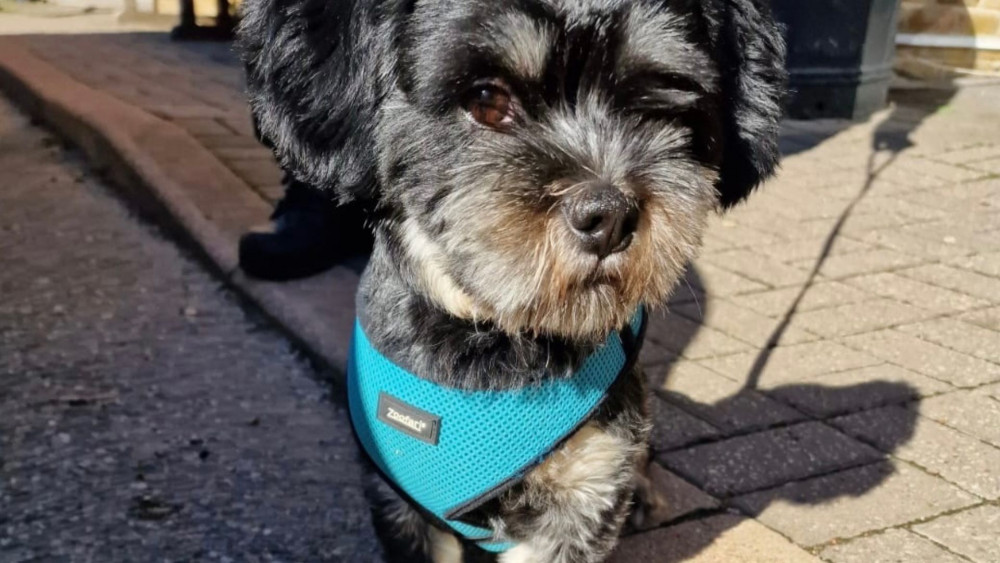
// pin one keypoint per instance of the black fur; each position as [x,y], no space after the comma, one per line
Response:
[475,281]
[318,71]
[751,54]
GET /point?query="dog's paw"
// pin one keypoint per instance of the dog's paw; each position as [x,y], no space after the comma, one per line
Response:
[650,510]
[650,507]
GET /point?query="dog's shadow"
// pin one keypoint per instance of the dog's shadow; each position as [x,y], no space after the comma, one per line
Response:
[746,447]
[752,443]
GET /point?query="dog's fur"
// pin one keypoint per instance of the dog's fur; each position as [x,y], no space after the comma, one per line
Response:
[475,280]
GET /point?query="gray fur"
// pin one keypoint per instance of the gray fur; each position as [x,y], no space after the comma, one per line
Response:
[475,280]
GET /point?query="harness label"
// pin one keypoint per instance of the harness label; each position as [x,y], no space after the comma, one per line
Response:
[408,419]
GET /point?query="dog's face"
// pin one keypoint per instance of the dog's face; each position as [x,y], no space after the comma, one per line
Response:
[555,161]
[547,165]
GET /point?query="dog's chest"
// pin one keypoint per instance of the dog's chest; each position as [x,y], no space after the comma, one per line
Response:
[588,466]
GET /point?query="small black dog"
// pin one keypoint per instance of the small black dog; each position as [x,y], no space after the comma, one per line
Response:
[539,169]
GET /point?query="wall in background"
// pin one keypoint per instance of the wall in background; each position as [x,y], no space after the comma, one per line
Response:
[949,37]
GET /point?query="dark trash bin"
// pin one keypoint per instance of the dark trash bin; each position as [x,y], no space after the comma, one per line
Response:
[840,55]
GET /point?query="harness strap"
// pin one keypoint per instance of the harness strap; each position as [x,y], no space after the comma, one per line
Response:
[449,450]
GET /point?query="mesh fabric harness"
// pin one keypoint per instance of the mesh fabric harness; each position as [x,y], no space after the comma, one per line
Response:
[450,450]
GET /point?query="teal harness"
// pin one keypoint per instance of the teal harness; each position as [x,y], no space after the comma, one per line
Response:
[448,450]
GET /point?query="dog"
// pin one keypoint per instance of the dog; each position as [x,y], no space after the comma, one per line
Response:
[537,171]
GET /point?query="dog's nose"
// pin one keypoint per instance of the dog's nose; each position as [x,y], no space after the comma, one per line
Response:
[602,218]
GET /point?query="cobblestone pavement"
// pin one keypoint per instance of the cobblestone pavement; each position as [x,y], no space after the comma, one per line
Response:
[146,416]
[827,384]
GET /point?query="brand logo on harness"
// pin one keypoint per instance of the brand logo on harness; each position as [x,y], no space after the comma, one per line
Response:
[401,418]
[408,419]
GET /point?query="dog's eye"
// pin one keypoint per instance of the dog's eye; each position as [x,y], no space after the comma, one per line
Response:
[491,105]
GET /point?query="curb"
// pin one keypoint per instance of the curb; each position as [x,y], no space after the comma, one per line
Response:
[169,175]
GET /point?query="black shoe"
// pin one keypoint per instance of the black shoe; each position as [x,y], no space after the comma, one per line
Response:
[311,234]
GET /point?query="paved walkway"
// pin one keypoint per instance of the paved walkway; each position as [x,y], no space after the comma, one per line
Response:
[196,86]
[146,417]
[827,384]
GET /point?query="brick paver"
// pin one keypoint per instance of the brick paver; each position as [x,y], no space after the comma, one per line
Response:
[849,503]
[721,401]
[972,533]
[865,262]
[684,497]
[858,389]
[962,460]
[863,424]
[792,363]
[971,340]
[743,323]
[927,358]
[758,267]
[821,295]
[769,458]
[198,86]
[718,539]
[893,546]
[958,279]
[684,337]
[674,428]
[919,294]
[859,318]
[976,415]
[911,244]
[987,264]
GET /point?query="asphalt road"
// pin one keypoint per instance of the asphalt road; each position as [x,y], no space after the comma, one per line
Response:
[145,415]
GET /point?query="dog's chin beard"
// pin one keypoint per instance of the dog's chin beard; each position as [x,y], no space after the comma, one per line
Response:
[584,307]
[587,314]
[578,298]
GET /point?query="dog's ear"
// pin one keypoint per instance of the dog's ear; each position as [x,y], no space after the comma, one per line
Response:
[317,72]
[751,53]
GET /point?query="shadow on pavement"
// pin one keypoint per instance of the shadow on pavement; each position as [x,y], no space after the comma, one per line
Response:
[910,107]
[766,438]
[911,103]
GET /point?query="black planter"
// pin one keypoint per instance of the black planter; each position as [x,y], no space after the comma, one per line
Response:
[840,55]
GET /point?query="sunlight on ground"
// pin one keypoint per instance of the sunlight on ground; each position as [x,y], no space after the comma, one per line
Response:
[22,18]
